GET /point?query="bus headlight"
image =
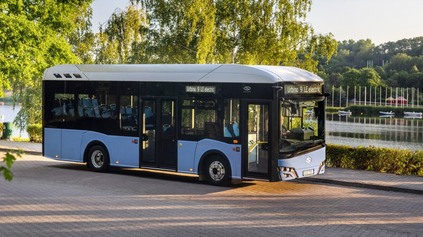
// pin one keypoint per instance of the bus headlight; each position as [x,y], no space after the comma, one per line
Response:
[287,173]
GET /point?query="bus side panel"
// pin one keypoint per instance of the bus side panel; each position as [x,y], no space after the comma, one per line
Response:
[186,151]
[52,143]
[231,151]
[123,151]
[71,141]
[306,162]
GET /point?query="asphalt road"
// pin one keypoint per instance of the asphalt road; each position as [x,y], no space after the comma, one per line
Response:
[51,198]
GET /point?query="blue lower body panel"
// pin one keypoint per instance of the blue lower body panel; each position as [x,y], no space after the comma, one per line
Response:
[71,145]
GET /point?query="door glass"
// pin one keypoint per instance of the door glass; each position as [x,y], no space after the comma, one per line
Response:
[149,131]
[258,142]
[167,151]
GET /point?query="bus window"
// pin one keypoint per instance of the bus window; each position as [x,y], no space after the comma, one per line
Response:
[231,118]
[63,105]
[199,118]
[129,113]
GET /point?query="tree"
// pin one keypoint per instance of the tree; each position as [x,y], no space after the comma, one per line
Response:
[351,77]
[400,62]
[412,47]
[353,54]
[271,32]
[370,77]
[121,35]
[33,36]
[82,39]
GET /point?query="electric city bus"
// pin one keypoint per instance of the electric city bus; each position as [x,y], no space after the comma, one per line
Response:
[224,123]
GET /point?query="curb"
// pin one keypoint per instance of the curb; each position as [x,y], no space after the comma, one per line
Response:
[364,185]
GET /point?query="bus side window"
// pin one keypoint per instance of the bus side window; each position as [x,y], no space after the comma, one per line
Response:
[231,126]
[129,113]
[199,118]
[63,105]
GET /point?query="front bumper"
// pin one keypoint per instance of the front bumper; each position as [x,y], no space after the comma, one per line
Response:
[305,165]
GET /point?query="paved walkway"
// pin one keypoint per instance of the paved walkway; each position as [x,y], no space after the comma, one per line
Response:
[28,147]
[338,176]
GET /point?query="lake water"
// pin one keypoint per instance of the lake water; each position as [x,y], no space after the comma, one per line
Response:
[8,114]
[400,133]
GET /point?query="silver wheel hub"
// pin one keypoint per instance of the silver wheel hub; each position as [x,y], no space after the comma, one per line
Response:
[217,170]
[97,159]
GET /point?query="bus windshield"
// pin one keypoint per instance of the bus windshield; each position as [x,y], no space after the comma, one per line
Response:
[299,126]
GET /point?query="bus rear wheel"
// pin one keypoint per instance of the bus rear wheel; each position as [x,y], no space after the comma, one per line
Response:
[217,171]
[98,158]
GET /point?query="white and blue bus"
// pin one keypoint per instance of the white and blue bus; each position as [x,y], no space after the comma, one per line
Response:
[224,123]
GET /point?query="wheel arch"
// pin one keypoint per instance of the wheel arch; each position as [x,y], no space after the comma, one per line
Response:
[207,155]
[91,144]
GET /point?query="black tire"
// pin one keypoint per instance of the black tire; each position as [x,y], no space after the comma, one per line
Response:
[98,158]
[217,171]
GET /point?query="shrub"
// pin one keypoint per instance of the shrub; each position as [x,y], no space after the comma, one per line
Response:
[35,132]
[376,159]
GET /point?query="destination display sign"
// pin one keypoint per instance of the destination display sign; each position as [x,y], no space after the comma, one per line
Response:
[201,89]
[302,89]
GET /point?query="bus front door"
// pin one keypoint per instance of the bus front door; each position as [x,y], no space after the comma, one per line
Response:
[158,136]
[257,149]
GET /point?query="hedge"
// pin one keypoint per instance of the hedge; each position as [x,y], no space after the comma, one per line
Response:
[378,159]
[35,132]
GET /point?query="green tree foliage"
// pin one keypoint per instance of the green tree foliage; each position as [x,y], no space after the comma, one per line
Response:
[271,32]
[351,77]
[33,36]
[390,64]
[178,32]
[353,54]
[370,77]
[363,77]
[121,35]
[8,161]
[384,52]
[82,39]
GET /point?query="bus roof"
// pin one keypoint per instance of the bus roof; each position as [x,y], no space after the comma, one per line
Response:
[212,73]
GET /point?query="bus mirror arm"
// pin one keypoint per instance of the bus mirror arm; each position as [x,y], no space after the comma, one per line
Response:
[144,137]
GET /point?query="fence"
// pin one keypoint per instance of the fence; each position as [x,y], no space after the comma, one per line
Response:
[375,96]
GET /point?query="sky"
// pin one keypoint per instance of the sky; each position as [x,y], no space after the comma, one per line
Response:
[379,20]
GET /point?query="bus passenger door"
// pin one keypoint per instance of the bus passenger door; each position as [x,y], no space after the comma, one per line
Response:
[167,135]
[257,143]
[148,133]
[158,134]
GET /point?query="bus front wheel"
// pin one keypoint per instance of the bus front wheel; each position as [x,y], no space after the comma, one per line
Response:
[217,171]
[98,158]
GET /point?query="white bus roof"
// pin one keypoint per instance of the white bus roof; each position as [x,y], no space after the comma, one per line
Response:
[223,73]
